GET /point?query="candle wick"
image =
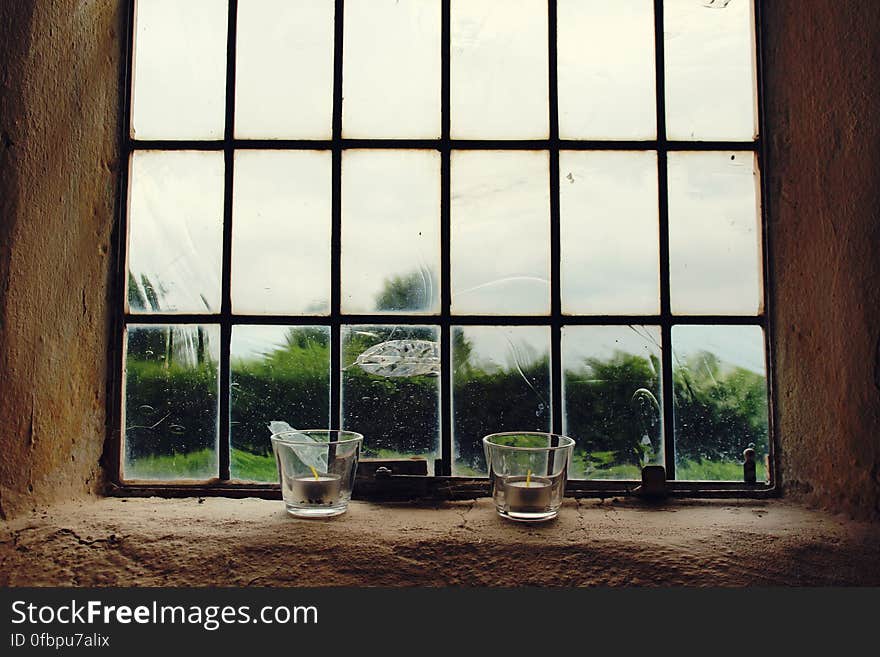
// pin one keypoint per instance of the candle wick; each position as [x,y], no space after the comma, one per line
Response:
[528,478]
[314,472]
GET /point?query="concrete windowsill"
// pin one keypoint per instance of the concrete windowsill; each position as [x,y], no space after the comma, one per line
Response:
[225,542]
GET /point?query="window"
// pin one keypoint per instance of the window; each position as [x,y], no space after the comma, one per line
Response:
[429,220]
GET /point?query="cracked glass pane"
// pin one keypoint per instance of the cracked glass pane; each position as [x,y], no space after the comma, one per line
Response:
[171,409]
[710,70]
[390,392]
[179,69]
[175,231]
[714,234]
[606,69]
[284,69]
[499,70]
[610,234]
[612,405]
[500,246]
[281,232]
[391,69]
[390,231]
[720,384]
[278,373]
[500,382]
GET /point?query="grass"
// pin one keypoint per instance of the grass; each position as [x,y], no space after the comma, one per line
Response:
[202,464]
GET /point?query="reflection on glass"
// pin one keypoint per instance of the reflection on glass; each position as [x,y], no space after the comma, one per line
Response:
[720,386]
[179,75]
[391,69]
[710,69]
[284,69]
[500,382]
[391,390]
[278,373]
[612,405]
[606,69]
[500,219]
[175,231]
[171,412]
[281,232]
[714,234]
[610,233]
[390,231]
[499,69]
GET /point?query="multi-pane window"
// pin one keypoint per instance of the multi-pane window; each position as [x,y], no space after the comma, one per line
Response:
[430,220]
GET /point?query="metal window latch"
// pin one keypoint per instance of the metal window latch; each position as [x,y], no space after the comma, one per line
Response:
[750,464]
[653,482]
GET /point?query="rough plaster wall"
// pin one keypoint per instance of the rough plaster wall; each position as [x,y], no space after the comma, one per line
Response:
[824,202]
[59,71]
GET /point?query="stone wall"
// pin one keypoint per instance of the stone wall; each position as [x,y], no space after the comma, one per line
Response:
[821,77]
[59,158]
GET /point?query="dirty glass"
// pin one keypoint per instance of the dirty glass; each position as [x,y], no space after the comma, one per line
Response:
[391,390]
[606,69]
[720,384]
[499,69]
[391,69]
[610,262]
[710,69]
[284,69]
[390,231]
[175,224]
[500,246]
[281,232]
[278,373]
[171,408]
[179,69]
[612,404]
[500,382]
[714,234]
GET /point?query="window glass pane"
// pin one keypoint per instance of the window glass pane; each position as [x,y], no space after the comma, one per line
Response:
[500,382]
[390,231]
[281,232]
[720,386]
[179,70]
[612,405]
[498,69]
[284,69]
[391,389]
[278,373]
[709,51]
[171,388]
[610,232]
[175,231]
[391,69]
[500,215]
[606,69]
[714,234]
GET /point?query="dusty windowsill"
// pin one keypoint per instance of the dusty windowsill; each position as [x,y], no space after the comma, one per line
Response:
[224,542]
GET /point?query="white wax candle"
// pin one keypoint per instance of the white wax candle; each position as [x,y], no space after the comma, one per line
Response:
[311,490]
[527,495]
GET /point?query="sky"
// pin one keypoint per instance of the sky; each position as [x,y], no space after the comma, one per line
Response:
[499,201]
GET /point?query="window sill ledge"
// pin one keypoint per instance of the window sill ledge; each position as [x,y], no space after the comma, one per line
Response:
[251,542]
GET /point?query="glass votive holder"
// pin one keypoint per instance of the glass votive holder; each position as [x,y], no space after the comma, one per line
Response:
[316,469]
[527,473]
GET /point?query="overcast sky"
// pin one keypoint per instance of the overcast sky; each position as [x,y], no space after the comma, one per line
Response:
[500,200]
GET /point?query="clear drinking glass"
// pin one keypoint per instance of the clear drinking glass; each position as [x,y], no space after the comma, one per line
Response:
[527,473]
[316,468]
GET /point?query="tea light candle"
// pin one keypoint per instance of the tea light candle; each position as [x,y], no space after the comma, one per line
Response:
[527,494]
[322,488]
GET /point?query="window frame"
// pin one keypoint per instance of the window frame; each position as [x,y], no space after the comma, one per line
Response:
[402,483]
